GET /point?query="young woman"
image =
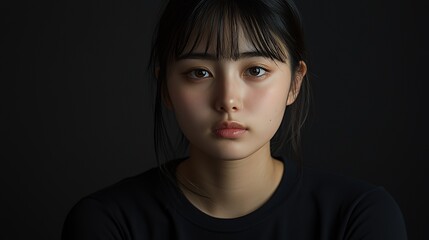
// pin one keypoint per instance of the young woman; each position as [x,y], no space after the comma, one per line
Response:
[233,72]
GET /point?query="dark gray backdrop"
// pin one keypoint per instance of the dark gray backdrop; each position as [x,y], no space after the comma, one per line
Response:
[76,105]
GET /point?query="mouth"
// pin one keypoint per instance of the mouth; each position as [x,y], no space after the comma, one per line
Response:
[229,130]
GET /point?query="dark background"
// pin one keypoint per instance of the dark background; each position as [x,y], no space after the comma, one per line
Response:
[76,112]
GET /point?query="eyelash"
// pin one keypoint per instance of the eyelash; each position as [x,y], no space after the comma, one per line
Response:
[191,73]
[265,71]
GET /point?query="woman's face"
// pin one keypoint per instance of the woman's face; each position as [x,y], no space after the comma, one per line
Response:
[228,109]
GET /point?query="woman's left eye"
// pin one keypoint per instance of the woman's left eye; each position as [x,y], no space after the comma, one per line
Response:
[256,71]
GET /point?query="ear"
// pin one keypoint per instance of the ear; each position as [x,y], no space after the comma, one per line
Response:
[156,72]
[165,96]
[296,84]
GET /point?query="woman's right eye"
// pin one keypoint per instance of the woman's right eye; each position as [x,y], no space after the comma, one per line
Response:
[198,74]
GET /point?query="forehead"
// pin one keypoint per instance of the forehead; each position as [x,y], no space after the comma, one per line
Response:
[226,48]
[230,37]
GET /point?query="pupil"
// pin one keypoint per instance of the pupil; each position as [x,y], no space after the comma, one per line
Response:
[255,71]
[200,73]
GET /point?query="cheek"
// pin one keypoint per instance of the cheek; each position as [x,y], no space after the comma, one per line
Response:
[269,102]
[188,106]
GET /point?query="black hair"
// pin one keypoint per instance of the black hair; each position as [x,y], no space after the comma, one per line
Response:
[274,29]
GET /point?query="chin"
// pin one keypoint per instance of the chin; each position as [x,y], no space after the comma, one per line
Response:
[231,156]
[230,151]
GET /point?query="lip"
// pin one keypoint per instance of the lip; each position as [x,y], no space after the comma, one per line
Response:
[229,129]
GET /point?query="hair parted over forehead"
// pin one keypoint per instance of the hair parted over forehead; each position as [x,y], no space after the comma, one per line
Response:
[272,27]
[216,24]
[219,26]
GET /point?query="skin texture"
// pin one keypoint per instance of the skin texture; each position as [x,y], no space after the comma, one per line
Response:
[231,176]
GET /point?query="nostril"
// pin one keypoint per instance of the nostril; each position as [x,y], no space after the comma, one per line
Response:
[228,106]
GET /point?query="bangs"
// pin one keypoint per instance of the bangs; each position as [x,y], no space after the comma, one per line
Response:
[219,25]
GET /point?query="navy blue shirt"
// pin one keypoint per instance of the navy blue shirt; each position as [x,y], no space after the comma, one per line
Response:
[308,204]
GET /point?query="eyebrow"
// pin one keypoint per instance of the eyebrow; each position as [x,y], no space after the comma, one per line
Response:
[207,56]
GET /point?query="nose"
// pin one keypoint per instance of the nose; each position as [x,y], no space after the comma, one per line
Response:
[228,95]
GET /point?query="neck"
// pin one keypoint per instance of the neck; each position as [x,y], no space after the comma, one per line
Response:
[229,188]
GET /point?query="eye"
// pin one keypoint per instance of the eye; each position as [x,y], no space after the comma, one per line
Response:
[198,73]
[256,71]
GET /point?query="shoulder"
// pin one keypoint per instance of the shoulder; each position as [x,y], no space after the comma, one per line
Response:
[366,211]
[107,213]
[129,191]
[333,189]
[328,184]
[142,185]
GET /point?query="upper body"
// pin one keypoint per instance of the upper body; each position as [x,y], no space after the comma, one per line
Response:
[233,73]
[310,205]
